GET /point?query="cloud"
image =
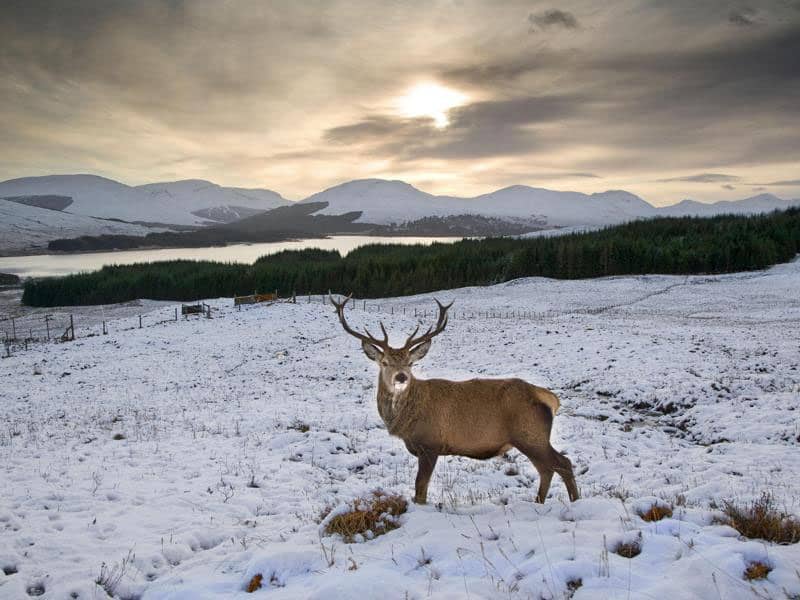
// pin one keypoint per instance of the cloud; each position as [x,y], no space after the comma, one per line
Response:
[295,98]
[790,182]
[703,178]
[553,17]
[743,17]
[728,186]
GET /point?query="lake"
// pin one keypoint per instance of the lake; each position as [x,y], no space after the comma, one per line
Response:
[47,265]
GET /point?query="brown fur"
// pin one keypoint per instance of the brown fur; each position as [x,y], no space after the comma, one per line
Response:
[479,418]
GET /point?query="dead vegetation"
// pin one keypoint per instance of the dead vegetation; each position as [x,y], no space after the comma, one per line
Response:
[655,513]
[630,548]
[368,517]
[255,583]
[757,570]
[761,519]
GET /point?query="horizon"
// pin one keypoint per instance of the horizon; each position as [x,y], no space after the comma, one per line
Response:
[457,99]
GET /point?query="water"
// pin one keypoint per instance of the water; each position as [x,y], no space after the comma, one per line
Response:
[47,265]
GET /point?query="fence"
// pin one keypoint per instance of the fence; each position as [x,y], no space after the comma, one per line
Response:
[20,333]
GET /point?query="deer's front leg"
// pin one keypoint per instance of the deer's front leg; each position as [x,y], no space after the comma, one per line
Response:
[426,464]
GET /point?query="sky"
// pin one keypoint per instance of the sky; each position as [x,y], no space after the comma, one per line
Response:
[666,99]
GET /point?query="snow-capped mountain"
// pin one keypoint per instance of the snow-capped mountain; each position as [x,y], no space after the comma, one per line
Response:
[385,202]
[173,203]
[212,201]
[25,228]
[753,205]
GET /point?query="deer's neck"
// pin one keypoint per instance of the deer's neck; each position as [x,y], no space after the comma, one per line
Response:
[399,410]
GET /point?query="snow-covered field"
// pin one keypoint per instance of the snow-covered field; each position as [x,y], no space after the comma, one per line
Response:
[189,456]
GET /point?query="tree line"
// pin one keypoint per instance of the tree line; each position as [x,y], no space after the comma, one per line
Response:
[685,245]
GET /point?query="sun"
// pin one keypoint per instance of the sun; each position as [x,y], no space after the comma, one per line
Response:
[430,100]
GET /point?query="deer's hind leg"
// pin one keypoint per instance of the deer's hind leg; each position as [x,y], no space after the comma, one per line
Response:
[541,462]
[563,466]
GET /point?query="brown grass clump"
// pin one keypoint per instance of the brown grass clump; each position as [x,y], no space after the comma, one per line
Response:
[629,549]
[756,570]
[378,513]
[762,520]
[255,583]
[656,513]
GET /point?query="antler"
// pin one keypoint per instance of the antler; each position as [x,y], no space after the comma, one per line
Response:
[432,332]
[368,338]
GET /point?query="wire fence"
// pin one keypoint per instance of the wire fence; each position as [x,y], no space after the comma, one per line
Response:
[21,333]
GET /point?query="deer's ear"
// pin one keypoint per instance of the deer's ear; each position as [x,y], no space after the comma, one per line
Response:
[372,352]
[419,352]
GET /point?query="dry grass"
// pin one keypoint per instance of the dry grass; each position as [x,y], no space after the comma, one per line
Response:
[255,583]
[377,513]
[656,513]
[756,570]
[762,520]
[629,549]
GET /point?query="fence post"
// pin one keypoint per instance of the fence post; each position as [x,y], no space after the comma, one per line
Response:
[72,327]
[365,305]
[140,321]
[47,324]
[13,330]
[176,313]
[105,330]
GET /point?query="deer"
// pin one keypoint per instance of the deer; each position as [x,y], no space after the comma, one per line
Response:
[478,418]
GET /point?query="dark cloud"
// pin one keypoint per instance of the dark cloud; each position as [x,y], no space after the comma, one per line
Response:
[481,129]
[553,17]
[728,186]
[703,178]
[743,17]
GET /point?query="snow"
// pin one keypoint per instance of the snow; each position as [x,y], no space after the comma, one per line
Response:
[171,203]
[25,228]
[675,390]
[196,194]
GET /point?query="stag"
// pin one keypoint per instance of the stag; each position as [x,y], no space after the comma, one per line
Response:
[478,418]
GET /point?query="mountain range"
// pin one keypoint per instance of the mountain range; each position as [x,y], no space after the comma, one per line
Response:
[59,206]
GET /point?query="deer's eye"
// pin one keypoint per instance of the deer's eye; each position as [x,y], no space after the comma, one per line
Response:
[385,363]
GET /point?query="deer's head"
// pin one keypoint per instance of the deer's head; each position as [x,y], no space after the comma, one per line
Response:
[395,363]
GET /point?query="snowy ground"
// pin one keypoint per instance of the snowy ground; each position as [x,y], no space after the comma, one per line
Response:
[177,452]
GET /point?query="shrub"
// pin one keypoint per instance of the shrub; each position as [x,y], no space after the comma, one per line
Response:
[760,519]
[376,514]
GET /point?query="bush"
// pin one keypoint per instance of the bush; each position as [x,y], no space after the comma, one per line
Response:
[367,517]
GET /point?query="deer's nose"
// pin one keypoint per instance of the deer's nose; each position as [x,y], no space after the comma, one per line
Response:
[400,378]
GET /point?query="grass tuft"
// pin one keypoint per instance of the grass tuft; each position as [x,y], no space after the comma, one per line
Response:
[629,549]
[573,585]
[255,583]
[656,513]
[756,570]
[377,514]
[762,520]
